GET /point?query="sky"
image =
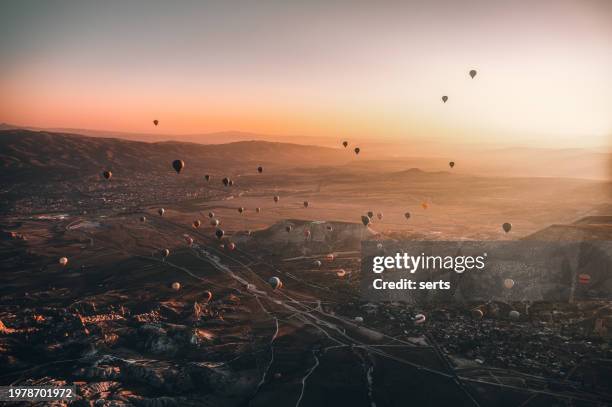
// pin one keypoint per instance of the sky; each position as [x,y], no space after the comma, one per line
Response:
[314,68]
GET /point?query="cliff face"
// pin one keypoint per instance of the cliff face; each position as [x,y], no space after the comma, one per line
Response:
[309,237]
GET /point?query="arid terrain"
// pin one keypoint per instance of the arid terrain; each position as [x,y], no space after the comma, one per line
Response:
[111,321]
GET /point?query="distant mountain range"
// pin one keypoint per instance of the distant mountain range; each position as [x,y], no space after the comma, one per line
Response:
[158,134]
[42,154]
[36,151]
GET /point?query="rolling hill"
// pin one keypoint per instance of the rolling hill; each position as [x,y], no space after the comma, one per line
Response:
[25,153]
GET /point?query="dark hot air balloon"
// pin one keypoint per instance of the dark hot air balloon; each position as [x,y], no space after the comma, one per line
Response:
[178,165]
[219,233]
[444,99]
[473,73]
[260,169]
[407,215]
[365,220]
[451,164]
[107,174]
[275,283]
[357,150]
[207,177]
[226,181]
[345,144]
[156,122]
[507,227]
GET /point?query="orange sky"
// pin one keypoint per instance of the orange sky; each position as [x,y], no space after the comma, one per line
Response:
[316,68]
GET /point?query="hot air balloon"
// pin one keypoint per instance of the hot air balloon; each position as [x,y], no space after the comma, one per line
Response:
[161,211]
[226,181]
[214,222]
[379,215]
[357,150]
[178,165]
[156,122]
[143,218]
[317,263]
[370,214]
[407,215]
[196,223]
[507,227]
[231,246]
[63,261]
[473,73]
[257,210]
[219,233]
[260,169]
[424,205]
[451,164]
[207,296]
[107,174]
[508,283]
[444,99]
[165,253]
[275,283]
[276,198]
[419,319]
[477,313]
[365,220]
[345,144]
[176,286]
[207,177]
